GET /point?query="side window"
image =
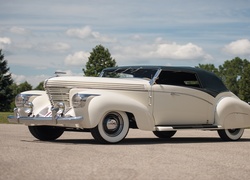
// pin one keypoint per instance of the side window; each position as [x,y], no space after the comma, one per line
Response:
[178,79]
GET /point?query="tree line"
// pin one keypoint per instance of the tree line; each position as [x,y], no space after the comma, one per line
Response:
[234,73]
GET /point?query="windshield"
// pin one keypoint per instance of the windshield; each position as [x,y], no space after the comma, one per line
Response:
[129,72]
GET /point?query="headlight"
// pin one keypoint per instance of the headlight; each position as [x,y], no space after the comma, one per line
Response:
[79,100]
[24,103]
[22,100]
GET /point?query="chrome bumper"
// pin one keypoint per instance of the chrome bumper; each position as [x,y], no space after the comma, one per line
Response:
[46,120]
[53,120]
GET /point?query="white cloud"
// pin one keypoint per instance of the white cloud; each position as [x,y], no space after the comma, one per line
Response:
[33,80]
[54,47]
[161,50]
[23,45]
[136,37]
[18,79]
[105,39]
[19,30]
[239,47]
[176,51]
[81,33]
[59,46]
[4,41]
[78,58]
[86,32]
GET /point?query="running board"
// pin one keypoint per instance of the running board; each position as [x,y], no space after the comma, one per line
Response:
[179,127]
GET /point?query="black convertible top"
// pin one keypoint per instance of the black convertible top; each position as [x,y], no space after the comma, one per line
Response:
[210,83]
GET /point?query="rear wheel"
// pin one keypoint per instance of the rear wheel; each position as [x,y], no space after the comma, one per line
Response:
[112,128]
[164,134]
[46,133]
[230,134]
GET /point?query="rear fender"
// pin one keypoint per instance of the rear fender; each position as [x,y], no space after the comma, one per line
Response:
[232,113]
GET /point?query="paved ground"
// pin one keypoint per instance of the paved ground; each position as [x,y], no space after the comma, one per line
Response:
[189,155]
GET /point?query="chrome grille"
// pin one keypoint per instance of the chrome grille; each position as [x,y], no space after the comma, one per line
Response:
[58,94]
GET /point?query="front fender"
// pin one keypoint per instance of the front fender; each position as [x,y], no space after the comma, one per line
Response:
[232,113]
[97,107]
[39,100]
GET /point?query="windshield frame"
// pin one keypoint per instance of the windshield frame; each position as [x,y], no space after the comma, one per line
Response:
[143,72]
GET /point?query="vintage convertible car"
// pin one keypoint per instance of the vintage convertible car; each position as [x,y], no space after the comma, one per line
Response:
[160,99]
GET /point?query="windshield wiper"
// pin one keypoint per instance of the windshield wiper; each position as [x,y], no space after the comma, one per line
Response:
[136,70]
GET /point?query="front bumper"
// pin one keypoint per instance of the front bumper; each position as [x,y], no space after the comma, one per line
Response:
[46,120]
[52,120]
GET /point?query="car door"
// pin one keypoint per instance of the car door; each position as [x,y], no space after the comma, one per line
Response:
[177,103]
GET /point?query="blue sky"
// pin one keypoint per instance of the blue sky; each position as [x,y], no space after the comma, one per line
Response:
[41,37]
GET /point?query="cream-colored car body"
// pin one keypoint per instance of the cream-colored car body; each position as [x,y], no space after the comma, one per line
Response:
[156,105]
[153,106]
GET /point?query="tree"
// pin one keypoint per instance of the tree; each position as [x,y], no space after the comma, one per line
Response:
[210,68]
[40,86]
[25,86]
[5,83]
[244,83]
[231,72]
[99,59]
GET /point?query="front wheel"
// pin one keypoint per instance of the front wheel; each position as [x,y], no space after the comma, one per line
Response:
[112,128]
[46,133]
[230,134]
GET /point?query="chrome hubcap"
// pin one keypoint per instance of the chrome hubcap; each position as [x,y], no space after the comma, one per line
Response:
[234,131]
[112,124]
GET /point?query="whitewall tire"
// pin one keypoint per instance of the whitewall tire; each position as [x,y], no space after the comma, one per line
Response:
[230,134]
[113,128]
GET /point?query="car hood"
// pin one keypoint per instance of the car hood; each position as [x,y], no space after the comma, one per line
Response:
[96,83]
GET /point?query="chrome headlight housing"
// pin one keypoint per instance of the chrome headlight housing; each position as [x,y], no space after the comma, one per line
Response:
[24,102]
[20,100]
[79,100]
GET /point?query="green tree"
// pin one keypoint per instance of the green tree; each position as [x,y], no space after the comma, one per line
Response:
[244,83]
[6,95]
[40,86]
[99,59]
[210,68]
[231,72]
[17,89]
[25,86]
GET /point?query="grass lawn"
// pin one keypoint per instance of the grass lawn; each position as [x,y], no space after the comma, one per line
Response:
[3,117]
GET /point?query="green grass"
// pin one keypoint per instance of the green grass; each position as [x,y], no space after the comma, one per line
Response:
[3,117]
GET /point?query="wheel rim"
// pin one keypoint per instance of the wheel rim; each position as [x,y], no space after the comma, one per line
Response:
[234,131]
[113,124]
